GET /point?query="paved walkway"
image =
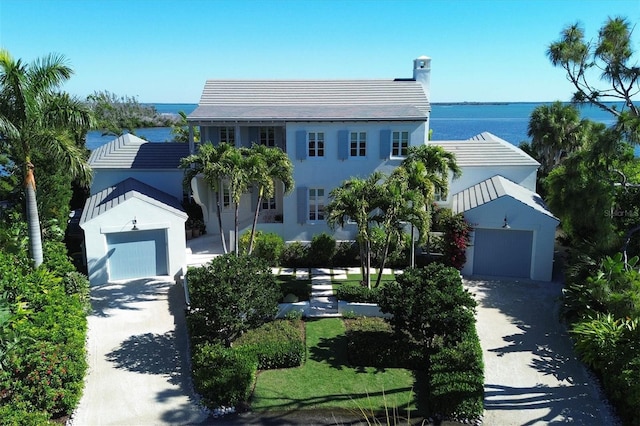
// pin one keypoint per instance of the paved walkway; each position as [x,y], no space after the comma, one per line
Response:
[137,349]
[532,376]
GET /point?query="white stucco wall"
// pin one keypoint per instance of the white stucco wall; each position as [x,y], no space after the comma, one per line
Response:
[329,172]
[520,217]
[119,219]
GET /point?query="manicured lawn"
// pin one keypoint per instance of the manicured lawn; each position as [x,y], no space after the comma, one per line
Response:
[325,381]
[356,278]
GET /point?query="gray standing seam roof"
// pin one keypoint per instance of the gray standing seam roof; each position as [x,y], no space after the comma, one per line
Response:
[311,100]
[131,152]
[113,196]
[487,149]
[494,188]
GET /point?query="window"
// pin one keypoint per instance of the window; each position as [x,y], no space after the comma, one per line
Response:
[316,144]
[399,144]
[268,136]
[358,144]
[437,196]
[228,135]
[226,196]
[316,204]
[269,204]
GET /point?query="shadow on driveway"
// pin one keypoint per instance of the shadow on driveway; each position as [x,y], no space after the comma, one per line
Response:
[138,357]
[532,375]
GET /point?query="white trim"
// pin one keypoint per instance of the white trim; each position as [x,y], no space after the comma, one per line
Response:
[129,227]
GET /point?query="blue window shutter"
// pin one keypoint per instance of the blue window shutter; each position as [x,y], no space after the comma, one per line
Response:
[253,136]
[385,143]
[303,210]
[343,145]
[301,144]
[214,135]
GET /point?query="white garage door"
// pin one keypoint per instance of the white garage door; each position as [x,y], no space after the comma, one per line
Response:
[502,252]
[137,254]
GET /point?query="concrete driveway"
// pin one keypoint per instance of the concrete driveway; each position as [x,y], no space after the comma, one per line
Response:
[137,349]
[532,376]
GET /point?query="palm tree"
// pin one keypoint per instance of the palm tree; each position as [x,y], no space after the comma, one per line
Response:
[34,115]
[207,162]
[235,165]
[270,165]
[400,204]
[427,169]
[356,199]
[556,131]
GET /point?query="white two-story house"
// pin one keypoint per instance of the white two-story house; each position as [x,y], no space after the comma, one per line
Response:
[332,130]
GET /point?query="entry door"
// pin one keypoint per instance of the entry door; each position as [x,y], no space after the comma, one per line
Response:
[502,252]
[137,254]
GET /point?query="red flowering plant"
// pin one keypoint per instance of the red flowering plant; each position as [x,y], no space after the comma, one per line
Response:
[456,236]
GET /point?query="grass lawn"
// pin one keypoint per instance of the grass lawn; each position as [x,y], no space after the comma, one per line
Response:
[356,278]
[325,381]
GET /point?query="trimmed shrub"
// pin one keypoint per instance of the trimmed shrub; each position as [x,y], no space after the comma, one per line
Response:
[16,415]
[295,255]
[269,247]
[78,284]
[223,376]
[347,254]
[357,293]
[229,296]
[372,343]
[456,379]
[277,344]
[321,250]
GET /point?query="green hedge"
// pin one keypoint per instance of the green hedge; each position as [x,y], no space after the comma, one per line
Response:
[372,343]
[223,376]
[43,367]
[456,379]
[278,344]
[357,293]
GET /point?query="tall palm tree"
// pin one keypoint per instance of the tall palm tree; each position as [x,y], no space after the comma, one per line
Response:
[207,162]
[35,115]
[399,203]
[555,131]
[356,199]
[270,165]
[427,169]
[235,165]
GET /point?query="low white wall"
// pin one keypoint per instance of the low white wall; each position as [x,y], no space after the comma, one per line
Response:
[361,309]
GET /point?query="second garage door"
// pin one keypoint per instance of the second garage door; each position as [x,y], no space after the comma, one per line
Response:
[137,254]
[502,252]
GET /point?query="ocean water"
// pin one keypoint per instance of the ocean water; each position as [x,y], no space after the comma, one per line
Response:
[508,121]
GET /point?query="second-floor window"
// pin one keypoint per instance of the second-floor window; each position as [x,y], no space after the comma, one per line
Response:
[316,204]
[399,144]
[268,136]
[316,144]
[228,135]
[358,144]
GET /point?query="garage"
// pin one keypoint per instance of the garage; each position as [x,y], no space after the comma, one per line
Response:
[137,254]
[503,252]
[132,230]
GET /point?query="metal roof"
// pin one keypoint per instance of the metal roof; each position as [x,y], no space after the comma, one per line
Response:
[487,149]
[494,188]
[113,196]
[131,152]
[311,100]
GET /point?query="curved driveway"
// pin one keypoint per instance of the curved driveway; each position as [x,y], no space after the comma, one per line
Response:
[532,376]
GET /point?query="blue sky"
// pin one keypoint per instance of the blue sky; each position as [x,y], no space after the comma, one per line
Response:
[163,51]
